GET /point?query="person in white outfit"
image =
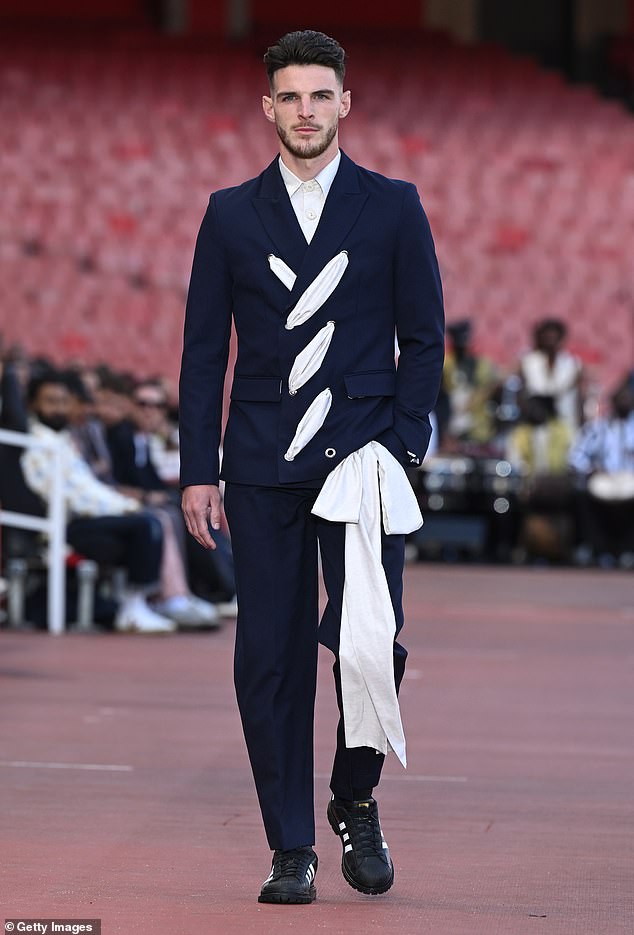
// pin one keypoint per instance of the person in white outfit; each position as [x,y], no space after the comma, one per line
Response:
[550,370]
[104,524]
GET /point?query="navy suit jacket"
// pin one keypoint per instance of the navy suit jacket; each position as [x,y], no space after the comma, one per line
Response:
[392,284]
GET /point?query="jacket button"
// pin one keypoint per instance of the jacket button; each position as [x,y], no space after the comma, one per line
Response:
[330,452]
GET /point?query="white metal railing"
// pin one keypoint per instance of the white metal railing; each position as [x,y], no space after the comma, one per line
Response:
[53,526]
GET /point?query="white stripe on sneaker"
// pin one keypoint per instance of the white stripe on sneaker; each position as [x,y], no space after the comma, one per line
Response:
[347,848]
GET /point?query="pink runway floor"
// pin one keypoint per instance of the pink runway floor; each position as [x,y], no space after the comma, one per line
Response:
[126,795]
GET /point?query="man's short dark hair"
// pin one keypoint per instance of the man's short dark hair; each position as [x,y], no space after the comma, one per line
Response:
[120,383]
[305,47]
[44,378]
[76,385]
[550,324]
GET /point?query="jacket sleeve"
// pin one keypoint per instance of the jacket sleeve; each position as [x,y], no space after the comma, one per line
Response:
[205,353]
[419,312]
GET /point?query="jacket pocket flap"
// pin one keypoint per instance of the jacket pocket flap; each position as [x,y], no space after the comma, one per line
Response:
[257,389]
[370,383]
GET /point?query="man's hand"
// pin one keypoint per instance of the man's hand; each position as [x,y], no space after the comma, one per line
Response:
[201,506]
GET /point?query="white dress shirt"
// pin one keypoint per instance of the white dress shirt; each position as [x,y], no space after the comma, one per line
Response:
[308,198]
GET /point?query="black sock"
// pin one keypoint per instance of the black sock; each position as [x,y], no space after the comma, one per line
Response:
[358,795]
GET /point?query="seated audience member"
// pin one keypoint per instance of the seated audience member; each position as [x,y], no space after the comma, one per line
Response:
[113,397]
[90,435]
[86,430]
[104,524]
[550,370]
[603,456]
[133,443]
[538,446]
[469,381]
[540,441]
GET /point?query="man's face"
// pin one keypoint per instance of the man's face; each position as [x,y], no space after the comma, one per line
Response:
[549,340]
[111,407]
[305,105]
[52,406]
[149,408]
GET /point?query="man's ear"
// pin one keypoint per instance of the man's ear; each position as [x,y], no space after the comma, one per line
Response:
[267,107]
[344,106]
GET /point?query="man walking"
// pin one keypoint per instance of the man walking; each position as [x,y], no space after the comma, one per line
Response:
[320,263]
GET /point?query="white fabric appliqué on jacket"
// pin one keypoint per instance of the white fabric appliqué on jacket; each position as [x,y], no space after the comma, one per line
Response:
[310,423]
[308,361]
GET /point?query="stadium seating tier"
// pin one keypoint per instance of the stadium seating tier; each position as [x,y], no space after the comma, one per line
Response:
[108,155]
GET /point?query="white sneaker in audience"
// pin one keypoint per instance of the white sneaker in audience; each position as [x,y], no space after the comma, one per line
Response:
[189,611]
[134,616]
[228,608]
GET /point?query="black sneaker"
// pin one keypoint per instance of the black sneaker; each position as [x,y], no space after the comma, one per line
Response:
[292,877]
[366,862]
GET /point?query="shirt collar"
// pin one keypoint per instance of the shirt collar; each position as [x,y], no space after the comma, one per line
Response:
[325,178]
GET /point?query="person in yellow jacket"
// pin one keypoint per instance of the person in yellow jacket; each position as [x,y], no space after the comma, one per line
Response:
[468,381]
[541,441]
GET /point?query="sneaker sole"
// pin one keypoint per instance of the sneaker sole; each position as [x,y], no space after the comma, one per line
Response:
[198,624]
[132,631]
[359,887]
[286,899]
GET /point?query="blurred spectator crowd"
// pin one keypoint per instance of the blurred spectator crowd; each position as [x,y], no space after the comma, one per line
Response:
[119,451]
[524,466]
[110,150]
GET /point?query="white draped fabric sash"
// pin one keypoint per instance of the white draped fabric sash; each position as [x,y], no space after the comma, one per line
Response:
[366,487]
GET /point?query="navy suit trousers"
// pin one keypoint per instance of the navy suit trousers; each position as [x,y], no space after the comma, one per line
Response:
[275,542]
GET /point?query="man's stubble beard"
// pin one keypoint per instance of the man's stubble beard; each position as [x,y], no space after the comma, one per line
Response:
[311,149]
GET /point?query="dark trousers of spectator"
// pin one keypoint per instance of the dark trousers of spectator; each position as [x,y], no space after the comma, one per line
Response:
[606,526]
[133,541]
[275,540]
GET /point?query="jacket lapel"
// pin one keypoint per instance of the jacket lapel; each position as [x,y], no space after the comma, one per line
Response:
[341,210]
[343,206]
[278,218]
